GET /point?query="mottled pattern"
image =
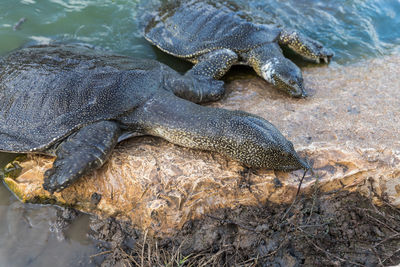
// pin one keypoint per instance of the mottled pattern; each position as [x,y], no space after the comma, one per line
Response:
[214,64]
[48,92]
[304,46]
[237,134]
[195,28]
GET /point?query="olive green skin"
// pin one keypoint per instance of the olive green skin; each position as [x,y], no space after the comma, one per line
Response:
[214,37]
[77,103]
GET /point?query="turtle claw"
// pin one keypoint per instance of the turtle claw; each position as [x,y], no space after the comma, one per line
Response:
[326,54]
[54,181]
[318,52]
[324,60]
[306,47]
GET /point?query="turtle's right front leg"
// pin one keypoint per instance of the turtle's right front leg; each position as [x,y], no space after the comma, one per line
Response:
[304,46]
[81,152]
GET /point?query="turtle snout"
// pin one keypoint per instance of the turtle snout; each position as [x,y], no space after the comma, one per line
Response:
[295,86]
[290,159]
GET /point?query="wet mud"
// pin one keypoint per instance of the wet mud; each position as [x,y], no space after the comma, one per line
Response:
[346,229]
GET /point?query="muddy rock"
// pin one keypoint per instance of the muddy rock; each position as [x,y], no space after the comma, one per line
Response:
[348,131]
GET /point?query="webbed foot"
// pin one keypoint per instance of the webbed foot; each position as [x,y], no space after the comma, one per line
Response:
[196,88]
[207,89]
[306,47]
[214,64]
[80,153]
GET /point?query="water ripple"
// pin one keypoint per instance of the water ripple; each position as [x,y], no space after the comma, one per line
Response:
[354,29]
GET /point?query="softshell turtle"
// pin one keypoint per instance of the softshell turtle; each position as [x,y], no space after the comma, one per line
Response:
[214,37]
[77,103]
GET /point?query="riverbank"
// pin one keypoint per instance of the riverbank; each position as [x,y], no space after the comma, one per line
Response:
[198,203]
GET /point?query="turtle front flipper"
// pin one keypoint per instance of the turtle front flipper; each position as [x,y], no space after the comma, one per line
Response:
[236,134]
[214,64]
[304,46]
[194,88]
[200,84]
[81,152]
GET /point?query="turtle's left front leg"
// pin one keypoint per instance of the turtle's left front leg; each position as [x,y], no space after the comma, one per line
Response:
[80,153]
[200,84]
[304,46]
[214,64]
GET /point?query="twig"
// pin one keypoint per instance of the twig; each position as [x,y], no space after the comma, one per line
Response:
[314,198]
[149,253]
[387,226]
[326,252]
[386,239]
[391,255]
[295,198]
[101,253]
[18,24]
[144,243]
[373,250]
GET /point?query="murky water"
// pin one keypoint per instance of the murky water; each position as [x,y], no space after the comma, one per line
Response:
[354,29]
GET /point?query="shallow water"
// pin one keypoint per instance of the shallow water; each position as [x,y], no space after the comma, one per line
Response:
[354,29]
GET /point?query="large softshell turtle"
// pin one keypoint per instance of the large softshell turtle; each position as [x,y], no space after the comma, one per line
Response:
[214,37]
[77,103]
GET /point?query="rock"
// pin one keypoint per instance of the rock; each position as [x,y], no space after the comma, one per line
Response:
[348,130]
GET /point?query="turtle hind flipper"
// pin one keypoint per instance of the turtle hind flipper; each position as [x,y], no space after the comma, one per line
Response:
[80,153]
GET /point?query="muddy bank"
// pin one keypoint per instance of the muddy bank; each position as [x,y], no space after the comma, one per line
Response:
[343,229]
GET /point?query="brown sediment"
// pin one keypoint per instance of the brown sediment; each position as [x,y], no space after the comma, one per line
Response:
[347,130]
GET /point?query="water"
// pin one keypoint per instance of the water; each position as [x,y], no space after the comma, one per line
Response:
[354,29]
[26,239]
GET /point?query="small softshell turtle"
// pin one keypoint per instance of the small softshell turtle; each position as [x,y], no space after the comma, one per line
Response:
[77,103]
[214,38]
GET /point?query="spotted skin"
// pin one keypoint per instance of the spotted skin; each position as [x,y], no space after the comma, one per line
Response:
[236,134]
[305,46]
[214,64]
[77,103]
[199,31]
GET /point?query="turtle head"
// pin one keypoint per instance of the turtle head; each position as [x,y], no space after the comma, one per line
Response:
[284,75]
[261,145]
